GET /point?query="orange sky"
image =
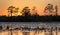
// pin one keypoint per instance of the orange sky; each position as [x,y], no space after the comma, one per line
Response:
[40,4]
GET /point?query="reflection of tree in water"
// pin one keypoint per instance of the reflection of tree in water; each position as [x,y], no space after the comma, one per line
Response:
[56,31]
[37,30]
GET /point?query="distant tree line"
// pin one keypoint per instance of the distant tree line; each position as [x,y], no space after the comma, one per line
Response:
[26,11]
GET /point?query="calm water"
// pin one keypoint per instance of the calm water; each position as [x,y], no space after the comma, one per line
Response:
[31,25]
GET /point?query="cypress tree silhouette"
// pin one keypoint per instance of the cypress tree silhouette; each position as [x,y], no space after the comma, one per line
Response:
[49,7]
[10,9]
[26,11]
[56,9]
[34,11]
[16,11]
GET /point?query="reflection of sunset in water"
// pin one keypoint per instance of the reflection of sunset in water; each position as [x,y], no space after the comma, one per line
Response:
[27,33]
[18,31]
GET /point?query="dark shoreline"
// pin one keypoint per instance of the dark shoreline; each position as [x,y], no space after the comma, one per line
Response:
[30,19]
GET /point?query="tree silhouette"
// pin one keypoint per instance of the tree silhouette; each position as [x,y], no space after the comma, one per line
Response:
[56,9]
[26,11]
[16,11]
[49,7]
[10,9]
[34,11]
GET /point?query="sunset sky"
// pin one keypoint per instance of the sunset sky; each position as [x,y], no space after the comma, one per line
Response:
[40,5]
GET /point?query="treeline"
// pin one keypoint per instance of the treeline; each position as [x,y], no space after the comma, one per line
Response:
[26,11]
[27,16]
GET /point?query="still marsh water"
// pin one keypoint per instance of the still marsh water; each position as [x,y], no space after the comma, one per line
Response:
[15,28]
